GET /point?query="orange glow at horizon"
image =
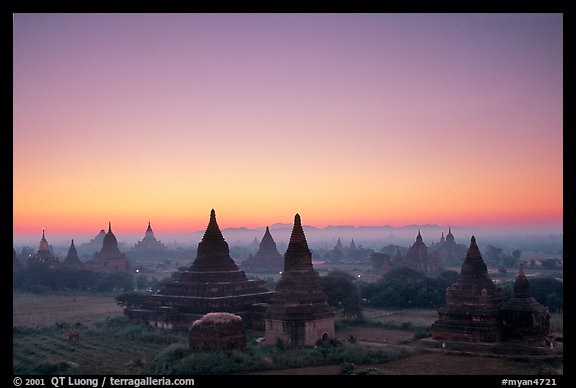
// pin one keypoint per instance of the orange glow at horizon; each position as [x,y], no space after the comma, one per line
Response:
[264,116]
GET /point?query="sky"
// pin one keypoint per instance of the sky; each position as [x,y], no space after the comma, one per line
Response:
[346,119]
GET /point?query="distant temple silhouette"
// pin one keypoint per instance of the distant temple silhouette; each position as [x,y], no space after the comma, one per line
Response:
[44,256]
[448,251]
[267,259]
[109,258]
[72,260]
[147,248]
[299,314]
[417,258]
[213,283]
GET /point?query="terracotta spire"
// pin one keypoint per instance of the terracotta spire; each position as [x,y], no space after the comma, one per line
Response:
[298,256]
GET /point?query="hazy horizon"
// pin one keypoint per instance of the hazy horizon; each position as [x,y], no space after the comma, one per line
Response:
[281,232]
[359,119]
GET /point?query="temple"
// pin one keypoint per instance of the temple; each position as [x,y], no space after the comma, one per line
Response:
[267,259]
[109,258]
[149,247]
[298,314]
[524,318]
[473,302]
[213,283]
[72,260]
[448,251]
[44,256]
[92,247]
[418,258]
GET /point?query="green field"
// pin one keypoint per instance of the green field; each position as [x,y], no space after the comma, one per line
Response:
[109,344]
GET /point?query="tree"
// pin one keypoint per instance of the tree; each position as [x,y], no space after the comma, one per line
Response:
[342,293]
[130,299]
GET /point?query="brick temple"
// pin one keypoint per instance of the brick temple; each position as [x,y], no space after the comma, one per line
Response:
[472,310]
[299,314]
[418,258]
[44,256]
[523,317]
[109,258]
[72,260]
[149,247]
[213,283]
[267,259]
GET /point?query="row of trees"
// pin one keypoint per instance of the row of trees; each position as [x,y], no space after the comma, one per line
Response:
[406,288]
[41,279]
[400,288]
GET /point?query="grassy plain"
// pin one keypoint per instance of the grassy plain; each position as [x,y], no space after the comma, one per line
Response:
[111,345]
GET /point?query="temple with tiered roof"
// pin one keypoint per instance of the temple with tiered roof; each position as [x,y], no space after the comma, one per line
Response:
[418,258]
[72,260]
[213,283]
[523,317]
[149,247]
[109,258]
[472,309]
[267,259]
[44,256]
[298,314]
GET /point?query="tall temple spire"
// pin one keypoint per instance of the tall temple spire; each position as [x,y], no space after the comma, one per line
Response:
[298,256]
[298,314]
[110,243]
[213,253]
[43,246]
[149,229]
[473,250]
[419,237]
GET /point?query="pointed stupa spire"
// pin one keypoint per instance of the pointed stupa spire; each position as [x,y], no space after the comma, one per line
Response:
[110,244]
[213,253]
[149,228]
[521,285]
[43,246]
[473,250]
[419,237]
[474,265]
[298,256]
[72,259]
[267,242]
